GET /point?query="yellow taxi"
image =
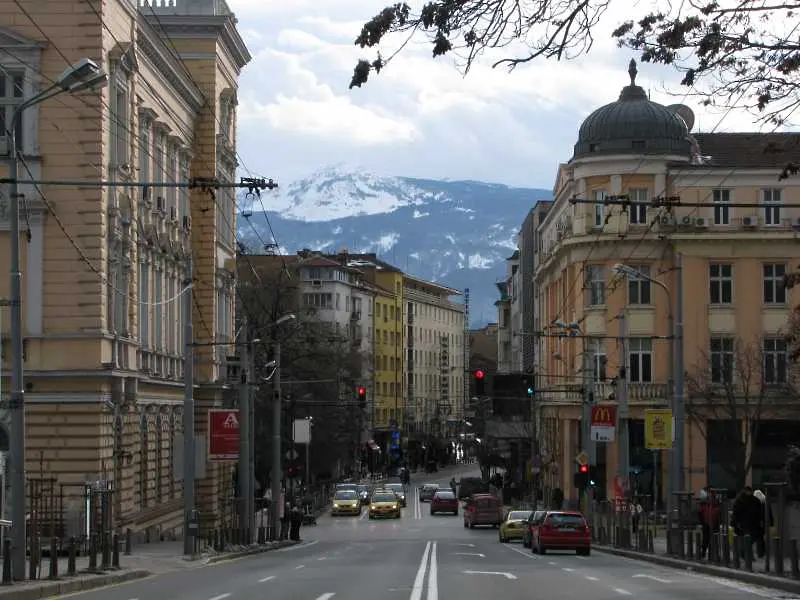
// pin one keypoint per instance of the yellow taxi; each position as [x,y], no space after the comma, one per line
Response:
[513,527]
[384,504]
[346,502]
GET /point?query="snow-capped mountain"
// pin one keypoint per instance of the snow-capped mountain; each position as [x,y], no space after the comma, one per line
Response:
[458,233]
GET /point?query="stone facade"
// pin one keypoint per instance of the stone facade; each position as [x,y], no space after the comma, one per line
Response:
[106,270]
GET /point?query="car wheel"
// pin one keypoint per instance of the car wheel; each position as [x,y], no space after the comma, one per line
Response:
[542,550]
[503,540]
[472,525]
[583,551]
[465,525]
[525,542]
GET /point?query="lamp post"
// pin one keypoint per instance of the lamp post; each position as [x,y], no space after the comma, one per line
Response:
[83,75]
[277,413]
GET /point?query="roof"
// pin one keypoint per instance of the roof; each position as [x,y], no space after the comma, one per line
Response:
[748,150]
[444,288]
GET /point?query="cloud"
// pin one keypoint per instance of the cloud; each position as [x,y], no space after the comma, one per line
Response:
[419,117]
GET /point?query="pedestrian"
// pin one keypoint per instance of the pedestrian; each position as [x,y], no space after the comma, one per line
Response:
[295,521]
[287,510]
[709,515]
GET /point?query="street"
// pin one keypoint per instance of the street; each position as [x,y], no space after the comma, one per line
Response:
[421,557]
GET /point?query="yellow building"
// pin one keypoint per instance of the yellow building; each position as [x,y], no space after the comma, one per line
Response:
[388,347]
[105,268]
[729,229]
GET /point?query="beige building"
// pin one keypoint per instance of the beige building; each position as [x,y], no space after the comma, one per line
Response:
[730,228]
[105,269]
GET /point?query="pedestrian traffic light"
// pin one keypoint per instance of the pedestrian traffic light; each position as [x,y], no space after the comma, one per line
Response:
[529,387]
[362,396]
[581,478]
[480,381]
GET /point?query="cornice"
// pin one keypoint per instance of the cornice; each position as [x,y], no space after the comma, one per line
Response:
[153,48]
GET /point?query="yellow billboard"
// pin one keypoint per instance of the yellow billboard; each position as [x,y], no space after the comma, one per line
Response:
[658,429]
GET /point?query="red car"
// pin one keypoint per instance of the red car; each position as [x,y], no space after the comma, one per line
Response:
[562,531]
[444,501]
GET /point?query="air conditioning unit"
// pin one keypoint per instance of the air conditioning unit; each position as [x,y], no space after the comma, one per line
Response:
[701,222]
[160,203]
[687,221]
[666,221]
[750,221]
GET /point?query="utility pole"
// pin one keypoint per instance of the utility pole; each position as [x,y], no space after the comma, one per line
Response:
[676,477]
[589,445]
[251,455]
[276,472]
[189,532]
[623,444]
[244,430]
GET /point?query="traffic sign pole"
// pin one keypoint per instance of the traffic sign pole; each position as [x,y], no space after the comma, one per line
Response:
[245,493]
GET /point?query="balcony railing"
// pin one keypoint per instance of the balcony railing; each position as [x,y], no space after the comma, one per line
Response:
[638,393]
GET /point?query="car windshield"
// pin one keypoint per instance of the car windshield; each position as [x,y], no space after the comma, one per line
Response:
[430,486]
[561,520]
[345,495]
[352,487]
[396,487]
[384,498]
[519,515]
[445,495]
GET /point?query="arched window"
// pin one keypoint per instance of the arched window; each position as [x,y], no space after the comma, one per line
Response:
[173,422]
[144,451]
[159,457]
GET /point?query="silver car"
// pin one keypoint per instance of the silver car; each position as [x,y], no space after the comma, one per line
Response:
[427,491]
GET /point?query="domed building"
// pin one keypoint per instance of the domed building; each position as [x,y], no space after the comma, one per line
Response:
[658,291]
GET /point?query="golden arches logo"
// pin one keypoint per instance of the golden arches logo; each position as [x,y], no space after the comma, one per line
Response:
[602,414]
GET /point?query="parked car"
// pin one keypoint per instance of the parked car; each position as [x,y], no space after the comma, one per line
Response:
[514,525]
[444,501]
[483,509]
[534,520]
[563,531]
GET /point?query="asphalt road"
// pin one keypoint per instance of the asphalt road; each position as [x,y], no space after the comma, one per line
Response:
[421,557]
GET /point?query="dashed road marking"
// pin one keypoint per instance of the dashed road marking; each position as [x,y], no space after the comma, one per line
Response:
[323,558]
[527,555]
[327,596]
[552,564]
[266,579]
[470,554]
[590,578]
[653,577]
[221,596]
[567,569]
[621,591]
[298,567]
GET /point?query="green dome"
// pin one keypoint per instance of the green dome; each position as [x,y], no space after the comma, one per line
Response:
[633,125]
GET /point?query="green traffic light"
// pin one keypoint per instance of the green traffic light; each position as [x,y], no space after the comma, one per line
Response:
[530,391]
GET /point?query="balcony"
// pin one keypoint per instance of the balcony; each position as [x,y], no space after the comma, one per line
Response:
[639,394]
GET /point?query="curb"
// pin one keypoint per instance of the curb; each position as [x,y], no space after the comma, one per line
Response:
[61,588]
[249,552]
[769,581]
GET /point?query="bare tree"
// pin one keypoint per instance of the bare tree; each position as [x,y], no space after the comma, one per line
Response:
[319,365]
[730,393]
[745,54]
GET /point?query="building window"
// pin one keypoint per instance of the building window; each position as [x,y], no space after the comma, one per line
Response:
[158,309]
[640,288]
[637,213]
[159,475]
[596,285]
[12,90]
[119,116]
[774,289]
[720,283]
[144,461]
[183,194]
[599,360]
[775,360]
[144,305]
[172,177]
[772,199]
[722,212]
[722,360]
[318,301]
[640,358]
[599,208]
[158,173]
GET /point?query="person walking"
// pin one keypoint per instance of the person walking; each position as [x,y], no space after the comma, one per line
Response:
[295,521]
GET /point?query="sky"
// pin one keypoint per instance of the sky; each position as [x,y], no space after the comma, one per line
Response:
[420,117]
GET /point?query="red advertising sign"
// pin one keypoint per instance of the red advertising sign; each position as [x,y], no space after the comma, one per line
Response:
[604,415]
[223,434]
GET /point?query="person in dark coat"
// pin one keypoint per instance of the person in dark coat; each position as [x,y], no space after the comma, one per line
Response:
[748,518]
[709,515]
[295,521]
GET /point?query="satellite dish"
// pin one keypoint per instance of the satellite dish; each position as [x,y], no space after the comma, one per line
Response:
[684,112]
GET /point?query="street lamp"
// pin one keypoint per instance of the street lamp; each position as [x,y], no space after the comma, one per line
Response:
[277,415]
[83,75]
[675,385]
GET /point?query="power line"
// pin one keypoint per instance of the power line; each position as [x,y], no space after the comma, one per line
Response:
[676,202]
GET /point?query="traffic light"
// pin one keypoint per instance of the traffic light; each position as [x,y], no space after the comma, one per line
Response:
[362,396]
[581,478]
[528,385]
[293,471]
[480,381]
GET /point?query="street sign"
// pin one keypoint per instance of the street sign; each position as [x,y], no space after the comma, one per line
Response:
[223,434]
[658,429]
[604,423]
[582,458]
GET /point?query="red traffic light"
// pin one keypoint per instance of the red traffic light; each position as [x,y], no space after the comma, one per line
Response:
[479,374]
[583,468]
[362,391]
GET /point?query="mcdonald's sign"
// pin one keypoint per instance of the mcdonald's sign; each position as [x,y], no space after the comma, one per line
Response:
[604,423]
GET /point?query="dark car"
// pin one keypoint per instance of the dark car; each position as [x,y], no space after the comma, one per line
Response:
[427,491]
[444,501]
[471,485]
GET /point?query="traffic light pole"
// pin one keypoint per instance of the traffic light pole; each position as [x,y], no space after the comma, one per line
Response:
[276,471]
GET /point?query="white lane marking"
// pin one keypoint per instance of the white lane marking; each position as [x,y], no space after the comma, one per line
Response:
[590,578]
[266,579]
[299,546]
[221,596]
[552,564]
[298,567]
[419,580]
[470,554]
[323,558]
[364,515]
[433,576]
[741,587]
[527,555]
[567,569]
[621,591]
[467,545]
[653,577]
[327,596]
[503,573]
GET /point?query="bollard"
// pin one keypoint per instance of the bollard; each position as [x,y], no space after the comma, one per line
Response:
[698,545]
[73,555]
[128,541]
[106,550]
[7,561]
[690,546]
[92,553]
[115,551]
[737,552]
[53,558]
[793,559]
[726,550]
[777,553]
[651,548]
[32,564]
[748,552]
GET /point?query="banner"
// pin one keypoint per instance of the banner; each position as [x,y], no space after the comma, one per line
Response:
[658,429]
